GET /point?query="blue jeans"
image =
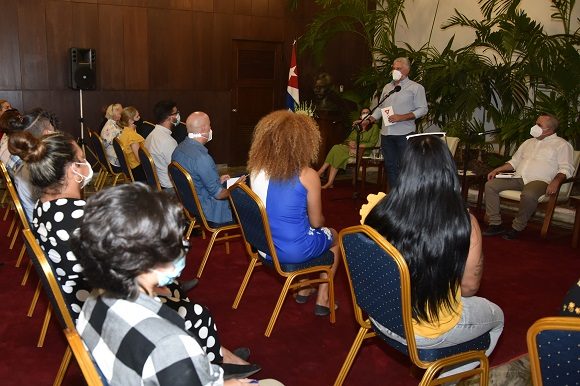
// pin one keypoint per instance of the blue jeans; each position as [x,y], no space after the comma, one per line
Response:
[479,316]
[393,147]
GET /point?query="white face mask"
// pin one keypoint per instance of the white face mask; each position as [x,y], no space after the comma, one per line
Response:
[199,135]
[536,131]
[84,179]
[397,75]
[177,119]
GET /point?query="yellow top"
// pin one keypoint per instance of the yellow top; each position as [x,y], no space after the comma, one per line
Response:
[128,137]
[447,318]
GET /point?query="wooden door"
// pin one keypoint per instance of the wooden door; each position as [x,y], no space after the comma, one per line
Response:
[257,90]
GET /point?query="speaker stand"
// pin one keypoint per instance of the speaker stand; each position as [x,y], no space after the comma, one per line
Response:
[82,121]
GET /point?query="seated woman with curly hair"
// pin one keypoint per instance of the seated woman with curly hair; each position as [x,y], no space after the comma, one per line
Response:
[424,217]
[283,147]
[128,248]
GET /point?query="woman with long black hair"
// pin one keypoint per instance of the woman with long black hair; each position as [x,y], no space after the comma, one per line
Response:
[425,218]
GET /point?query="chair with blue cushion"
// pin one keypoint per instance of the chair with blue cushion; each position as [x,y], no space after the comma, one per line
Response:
[187,194]
[252,217]
[554,347]
[381,288]
[148,167]
[122,160]
[63,313]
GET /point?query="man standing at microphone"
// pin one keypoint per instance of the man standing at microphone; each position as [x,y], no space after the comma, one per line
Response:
[405,103]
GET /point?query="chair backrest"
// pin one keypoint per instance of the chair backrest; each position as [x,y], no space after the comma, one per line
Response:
[48,280]
[148,167]
[86,363]
[14,196]
[565,190]
[122,160]
[99,149]
[145,128]
[253,219]
[380,281]
[553,344]
[185,191]
[452,143]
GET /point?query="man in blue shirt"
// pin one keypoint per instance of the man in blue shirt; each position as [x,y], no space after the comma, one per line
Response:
[194,157]
[404,107]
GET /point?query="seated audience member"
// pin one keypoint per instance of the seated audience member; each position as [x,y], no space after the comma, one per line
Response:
[283,147]
[571,304]
[338,156]
[4,106]
[8,125]
[425,218]
[130,141]
[160,143]
[111,130]
[38,123]
[540,163]
[129,248]
[194,157]
[58,168]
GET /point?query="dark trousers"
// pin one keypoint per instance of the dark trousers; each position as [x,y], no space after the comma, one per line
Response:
[393,147]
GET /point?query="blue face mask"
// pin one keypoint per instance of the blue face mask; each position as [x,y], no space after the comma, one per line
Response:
[167,277]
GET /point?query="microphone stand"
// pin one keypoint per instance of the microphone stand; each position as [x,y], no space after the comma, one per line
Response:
[358,128]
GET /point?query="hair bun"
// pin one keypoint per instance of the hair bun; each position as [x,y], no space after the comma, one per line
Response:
[26,146]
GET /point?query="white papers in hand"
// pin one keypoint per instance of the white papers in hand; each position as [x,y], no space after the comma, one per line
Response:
[232,181]
[387,112]
[505,175]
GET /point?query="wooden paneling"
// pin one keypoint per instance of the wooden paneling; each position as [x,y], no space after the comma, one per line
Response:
[243,7]
[32,39]
[202,39]
[202,5]
[9,52]
[170,51]
[263,28]
[136,48]
[277,8]
[260,7]
[221,51]
[223,6]
[171,4]
[111,52]
[59,32]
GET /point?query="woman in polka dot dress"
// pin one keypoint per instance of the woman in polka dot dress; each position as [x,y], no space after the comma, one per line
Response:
[58,167]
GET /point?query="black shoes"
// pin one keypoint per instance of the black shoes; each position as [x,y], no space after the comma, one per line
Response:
[493,230]
[187,286]
[242,352]
[512,234]
[232,371]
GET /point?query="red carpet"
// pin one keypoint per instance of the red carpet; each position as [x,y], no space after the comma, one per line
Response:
[526,277]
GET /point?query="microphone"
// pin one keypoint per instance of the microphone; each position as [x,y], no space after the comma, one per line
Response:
[496,131]
[396,89]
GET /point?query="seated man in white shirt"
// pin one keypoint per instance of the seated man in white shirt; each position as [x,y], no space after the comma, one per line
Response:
[540,164]
[159,142]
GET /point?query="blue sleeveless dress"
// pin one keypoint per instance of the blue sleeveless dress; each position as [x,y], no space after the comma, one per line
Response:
[294,239]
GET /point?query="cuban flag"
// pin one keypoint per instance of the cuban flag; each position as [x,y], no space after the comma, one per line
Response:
[292,94]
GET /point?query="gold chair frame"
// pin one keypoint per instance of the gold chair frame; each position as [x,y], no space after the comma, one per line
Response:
[129,177]
[570,323]
[365,330]
[143,149]
[107,168]
[289,276]
[75,344]
[214,231]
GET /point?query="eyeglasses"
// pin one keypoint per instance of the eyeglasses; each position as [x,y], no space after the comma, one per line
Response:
[175,113]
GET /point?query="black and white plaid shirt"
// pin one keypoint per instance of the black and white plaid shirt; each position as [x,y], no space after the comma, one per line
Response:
[143,342]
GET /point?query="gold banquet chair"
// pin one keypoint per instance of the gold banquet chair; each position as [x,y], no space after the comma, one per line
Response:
[549,203]
[61,310]
[19,221]
[380,287]
[554,348]
[99,149]
[251,214]
[185,190]
[148,167]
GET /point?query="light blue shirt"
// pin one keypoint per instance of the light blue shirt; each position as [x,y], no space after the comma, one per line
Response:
[411,99]
[194,158]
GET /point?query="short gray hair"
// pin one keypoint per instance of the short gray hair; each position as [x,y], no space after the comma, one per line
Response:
[404,60]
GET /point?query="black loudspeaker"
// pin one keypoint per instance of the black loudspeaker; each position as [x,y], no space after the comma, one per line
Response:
[82,69]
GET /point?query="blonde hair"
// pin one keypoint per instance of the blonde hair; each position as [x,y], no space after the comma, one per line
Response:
[111,110]
[128,113]
[283,144]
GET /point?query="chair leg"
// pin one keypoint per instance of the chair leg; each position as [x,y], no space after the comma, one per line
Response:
[34,300]
[227,246]
[11,227]
[278,307]
[6,213]
[360,336]
[44,328]
[206,255]
[14,236]
[63,367]
[26,273]
[242,289]
[548,218]
[20,256]
[331,299]
[429,378]
[189,230]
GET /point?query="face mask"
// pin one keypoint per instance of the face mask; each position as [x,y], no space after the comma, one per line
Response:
[364,115]
[397,75]
[84,179]
[177,120]
[536,131]
[210,135]
[164,278]
[199,135]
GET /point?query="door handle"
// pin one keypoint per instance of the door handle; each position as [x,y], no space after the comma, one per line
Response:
[234,110]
